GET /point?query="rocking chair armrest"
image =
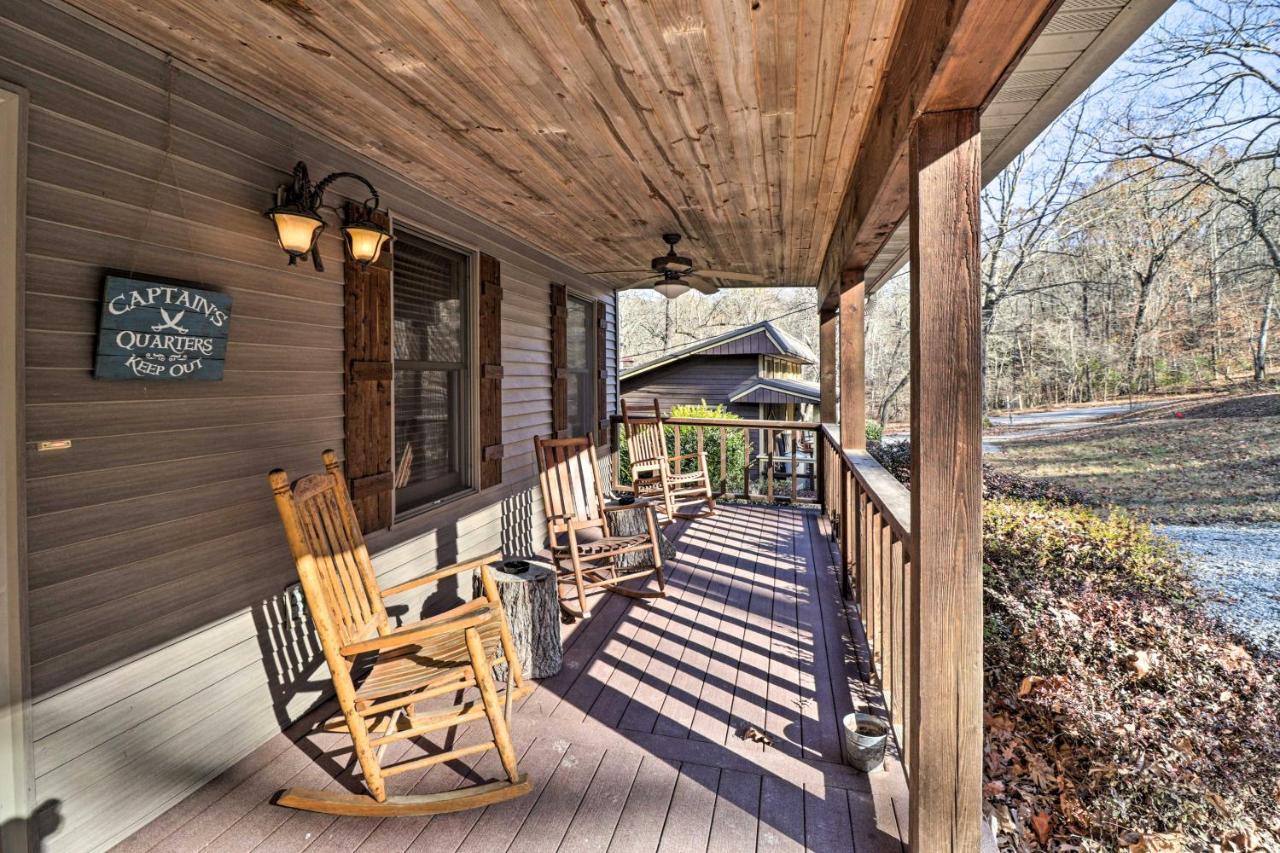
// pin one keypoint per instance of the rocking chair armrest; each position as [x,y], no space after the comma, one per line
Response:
[683,456]
[445,623]
[441,574]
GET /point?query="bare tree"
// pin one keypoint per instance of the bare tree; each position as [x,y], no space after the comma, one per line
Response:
[1220,127]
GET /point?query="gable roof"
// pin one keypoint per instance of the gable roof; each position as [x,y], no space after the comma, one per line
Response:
[762,389]
[772,341]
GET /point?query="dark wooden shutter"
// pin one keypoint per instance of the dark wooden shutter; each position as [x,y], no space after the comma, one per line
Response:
[490,333]
[559,360]
[602,373]
[367,316]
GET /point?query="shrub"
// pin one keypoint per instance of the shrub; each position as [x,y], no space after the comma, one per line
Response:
[735,444]
[874,430]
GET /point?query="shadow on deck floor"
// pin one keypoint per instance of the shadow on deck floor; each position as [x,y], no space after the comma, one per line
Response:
[634,745]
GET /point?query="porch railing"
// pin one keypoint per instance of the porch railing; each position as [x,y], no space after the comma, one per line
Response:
[870,513]
[771,470]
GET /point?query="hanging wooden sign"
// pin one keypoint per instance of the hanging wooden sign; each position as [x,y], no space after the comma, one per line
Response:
[161,329]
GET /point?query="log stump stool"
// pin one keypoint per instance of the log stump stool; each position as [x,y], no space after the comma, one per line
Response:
[635,522]
[527,588]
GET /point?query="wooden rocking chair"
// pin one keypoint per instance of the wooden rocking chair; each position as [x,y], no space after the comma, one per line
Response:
[379,672]
[579,529]
[657,474]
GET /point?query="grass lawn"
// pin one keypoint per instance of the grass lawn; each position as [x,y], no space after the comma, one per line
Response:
[1219,462]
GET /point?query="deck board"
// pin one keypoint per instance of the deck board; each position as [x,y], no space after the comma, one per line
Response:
[634,745]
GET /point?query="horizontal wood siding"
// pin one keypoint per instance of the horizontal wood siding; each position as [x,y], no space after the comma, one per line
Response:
[163,644]
[691,380]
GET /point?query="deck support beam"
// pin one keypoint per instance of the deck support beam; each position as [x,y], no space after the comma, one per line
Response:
[853,392]
[827,364]
[945,733]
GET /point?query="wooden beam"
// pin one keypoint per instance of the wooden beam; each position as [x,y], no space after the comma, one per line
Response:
[853,391]
[827,364]
[17,780]
[947,55]
[945,737]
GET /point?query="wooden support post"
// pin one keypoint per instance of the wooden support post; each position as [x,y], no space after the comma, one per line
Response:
[17,762]
[827,364]
[853,395]
[946,484]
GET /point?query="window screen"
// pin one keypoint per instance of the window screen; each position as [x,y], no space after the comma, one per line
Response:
[581,340]
[430,348]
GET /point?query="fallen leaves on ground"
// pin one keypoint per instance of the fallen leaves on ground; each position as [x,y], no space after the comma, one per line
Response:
[1118,716]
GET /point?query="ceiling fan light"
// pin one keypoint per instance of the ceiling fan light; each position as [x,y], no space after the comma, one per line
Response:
[671,289]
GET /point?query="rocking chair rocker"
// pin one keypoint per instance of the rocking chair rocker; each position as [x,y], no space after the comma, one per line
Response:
[380,679]
[579,530]
[656,474]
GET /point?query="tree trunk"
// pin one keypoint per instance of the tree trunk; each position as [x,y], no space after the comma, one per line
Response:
[532,606]
[1264,333]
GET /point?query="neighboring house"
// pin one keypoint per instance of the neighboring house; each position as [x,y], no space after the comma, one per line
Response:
[754,371]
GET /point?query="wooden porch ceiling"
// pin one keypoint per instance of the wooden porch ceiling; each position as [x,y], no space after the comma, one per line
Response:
[586,127]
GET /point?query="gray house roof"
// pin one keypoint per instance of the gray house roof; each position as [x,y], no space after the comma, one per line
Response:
[763,338]
[762,389]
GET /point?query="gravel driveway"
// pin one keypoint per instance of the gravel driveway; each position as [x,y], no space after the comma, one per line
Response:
[1238,571]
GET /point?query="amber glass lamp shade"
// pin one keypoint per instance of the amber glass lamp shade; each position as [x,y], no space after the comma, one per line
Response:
[671,289]
[365,241]
[296,229]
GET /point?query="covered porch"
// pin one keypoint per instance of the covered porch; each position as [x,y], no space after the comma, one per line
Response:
[528,156]
[636,744]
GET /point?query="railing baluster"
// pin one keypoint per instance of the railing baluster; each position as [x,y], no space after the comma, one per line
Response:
[795,470]
[768,440]
[746,464]
[897,661]
[874,577]
[886,597]
[908,691]
[724,463]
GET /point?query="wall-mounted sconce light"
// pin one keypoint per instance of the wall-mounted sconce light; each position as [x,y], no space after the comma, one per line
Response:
[296,216]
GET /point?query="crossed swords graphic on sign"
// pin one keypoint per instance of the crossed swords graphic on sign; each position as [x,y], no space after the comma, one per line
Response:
[170,322]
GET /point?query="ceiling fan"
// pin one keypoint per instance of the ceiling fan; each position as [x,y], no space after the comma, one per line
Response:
[672,274]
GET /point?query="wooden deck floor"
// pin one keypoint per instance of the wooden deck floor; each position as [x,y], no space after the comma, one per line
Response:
[635,745]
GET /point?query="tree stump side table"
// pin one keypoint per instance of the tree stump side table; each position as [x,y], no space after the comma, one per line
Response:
[634,521]
[532,605]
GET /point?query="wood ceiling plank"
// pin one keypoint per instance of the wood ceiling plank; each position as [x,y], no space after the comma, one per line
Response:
[586,127]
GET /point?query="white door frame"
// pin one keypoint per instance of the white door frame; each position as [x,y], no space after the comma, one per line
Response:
[17,788]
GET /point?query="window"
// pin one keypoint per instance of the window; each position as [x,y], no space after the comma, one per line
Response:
[582,360]
[430,352]
[780,368]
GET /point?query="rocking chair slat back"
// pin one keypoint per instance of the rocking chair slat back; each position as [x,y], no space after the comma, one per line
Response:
[333,562]
[570,480]
[646,439]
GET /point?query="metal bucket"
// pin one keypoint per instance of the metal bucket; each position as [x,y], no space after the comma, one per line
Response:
[865,737]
